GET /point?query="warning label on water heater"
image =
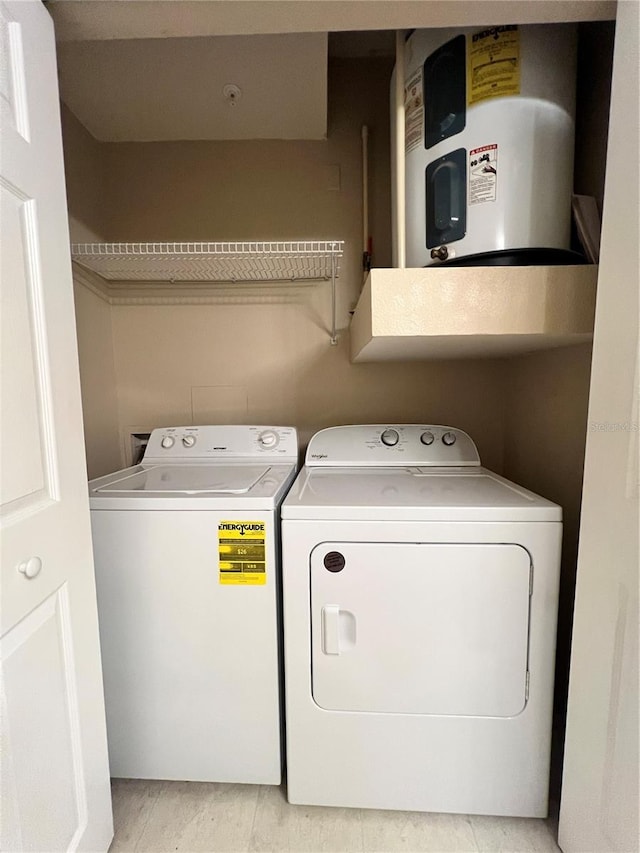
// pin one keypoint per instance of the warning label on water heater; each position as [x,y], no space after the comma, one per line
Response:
[483,174]
[413,111]
[493,64]
[241,550]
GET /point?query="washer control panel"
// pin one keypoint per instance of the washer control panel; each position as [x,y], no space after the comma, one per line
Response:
[199,443]
[387,445]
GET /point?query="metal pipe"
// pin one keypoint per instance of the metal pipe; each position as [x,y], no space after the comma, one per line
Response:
[365,190]
[399,163]
[334,332]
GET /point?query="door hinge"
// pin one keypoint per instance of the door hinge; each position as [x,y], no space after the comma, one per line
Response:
[526,687]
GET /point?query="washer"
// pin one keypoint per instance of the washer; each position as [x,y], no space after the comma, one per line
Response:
[186,551]
[420,603]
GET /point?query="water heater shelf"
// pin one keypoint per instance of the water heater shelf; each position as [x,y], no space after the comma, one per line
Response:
[472,312]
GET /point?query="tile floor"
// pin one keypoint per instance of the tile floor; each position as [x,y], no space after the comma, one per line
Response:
[164,817]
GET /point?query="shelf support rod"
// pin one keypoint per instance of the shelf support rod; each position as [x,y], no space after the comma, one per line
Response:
[334,334]
[400,153]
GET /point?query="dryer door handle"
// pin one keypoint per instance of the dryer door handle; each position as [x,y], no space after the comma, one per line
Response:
[338,630]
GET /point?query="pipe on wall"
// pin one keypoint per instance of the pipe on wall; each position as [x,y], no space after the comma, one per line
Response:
[366,248]
[399,163]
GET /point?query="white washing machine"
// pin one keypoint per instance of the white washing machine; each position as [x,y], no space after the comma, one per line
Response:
[420,603]
[186,551]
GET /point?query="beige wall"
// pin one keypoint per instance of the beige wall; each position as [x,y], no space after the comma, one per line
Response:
[84,166]
[545,426]
[267,360]
[266,189]
[593,96]
[273,363]
[264,360]
[97,381]
[85,179]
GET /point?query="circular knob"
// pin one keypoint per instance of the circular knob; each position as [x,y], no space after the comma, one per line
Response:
[427,438]
[268,439]
[31,567]
[449,438]
[390,437]
[188,440]
[167,441]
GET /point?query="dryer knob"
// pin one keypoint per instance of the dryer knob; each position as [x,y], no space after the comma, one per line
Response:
[390,437]
[427,438]
[188,440]
[449,438]
[167,442]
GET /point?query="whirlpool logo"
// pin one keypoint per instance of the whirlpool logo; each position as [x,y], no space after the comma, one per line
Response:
[242,528]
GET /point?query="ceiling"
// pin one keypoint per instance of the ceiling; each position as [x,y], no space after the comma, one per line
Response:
[79,20]
[147,70]
[178,88]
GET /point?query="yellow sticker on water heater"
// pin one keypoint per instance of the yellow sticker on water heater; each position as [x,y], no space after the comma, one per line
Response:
[493,64]
[242,553]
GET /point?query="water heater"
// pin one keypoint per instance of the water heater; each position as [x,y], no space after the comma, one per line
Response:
[489,140]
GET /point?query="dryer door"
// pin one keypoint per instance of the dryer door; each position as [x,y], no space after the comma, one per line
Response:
[420,628]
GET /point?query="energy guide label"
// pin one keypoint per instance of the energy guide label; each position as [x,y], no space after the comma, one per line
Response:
[493,64]
[242,553]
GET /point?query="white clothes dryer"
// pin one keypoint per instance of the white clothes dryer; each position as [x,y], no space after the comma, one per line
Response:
[186,551]
[420,603]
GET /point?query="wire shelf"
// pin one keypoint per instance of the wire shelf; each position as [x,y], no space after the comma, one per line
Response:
[278,261]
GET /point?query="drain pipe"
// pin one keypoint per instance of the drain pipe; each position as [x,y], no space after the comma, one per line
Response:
[399,163]
[366,242]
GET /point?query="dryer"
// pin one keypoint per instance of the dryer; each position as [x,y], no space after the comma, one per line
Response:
[186,548]
[420,603]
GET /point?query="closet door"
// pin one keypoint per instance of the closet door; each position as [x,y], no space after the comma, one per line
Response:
[599,808]
[55,775]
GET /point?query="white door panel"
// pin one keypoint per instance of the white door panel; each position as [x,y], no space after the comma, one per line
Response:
[600,807]
[420,628]
[43,740]
[55,778]
[25,480]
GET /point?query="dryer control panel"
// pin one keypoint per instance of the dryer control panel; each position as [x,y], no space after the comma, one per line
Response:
[200,443]
[389,445]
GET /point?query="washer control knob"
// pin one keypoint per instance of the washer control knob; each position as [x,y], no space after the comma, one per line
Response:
[449,438]
[390,437]
[268,439]
[427,438]
[188,440]
[167,442]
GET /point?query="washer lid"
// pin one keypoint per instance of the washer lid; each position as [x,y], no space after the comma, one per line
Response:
[185,480]
[413,494]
